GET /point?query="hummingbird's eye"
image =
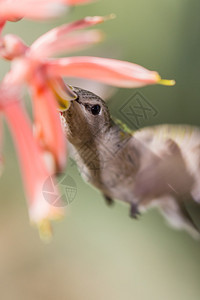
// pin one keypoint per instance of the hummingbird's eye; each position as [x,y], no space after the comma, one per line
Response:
[95,109]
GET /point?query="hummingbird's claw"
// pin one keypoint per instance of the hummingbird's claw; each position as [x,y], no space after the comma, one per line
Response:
[134,212]
[109,201]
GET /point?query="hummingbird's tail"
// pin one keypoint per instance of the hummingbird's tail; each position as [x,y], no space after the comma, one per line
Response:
[178,214]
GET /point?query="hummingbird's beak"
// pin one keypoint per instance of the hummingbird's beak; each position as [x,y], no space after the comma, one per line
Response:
[77,95]
[77,100]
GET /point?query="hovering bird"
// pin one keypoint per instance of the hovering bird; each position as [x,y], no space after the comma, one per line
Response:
[155,166]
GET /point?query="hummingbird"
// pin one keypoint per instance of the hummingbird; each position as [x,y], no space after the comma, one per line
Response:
[155,166]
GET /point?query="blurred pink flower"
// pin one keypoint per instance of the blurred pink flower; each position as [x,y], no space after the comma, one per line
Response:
[34,170]
[29,66]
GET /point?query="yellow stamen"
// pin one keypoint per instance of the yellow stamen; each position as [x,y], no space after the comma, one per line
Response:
[167,82]
[45,230]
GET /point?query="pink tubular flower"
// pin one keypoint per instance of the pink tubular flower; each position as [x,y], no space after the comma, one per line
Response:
[34,170]
[14,10]
[48,129]
[1,145]
[109,71]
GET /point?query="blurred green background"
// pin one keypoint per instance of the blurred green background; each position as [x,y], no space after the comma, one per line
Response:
[99,252]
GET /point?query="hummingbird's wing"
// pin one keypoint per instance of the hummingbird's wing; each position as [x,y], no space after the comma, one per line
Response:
[175,212]
[169,172]
[170,158]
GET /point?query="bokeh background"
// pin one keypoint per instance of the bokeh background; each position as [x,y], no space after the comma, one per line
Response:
[99,252]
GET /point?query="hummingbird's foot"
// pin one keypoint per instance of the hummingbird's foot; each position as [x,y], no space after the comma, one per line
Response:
[109,201]
[134,212]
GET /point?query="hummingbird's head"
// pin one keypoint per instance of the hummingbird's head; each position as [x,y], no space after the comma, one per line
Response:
[87,117]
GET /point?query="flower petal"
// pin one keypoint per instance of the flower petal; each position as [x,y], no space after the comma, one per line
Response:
[1,145]
[75,2]
[2,24]
[59,33]
[69,43]
[68,2]
[47,122]
[33,168]
[13,10]
[11,46]
[37,9]
[109,71]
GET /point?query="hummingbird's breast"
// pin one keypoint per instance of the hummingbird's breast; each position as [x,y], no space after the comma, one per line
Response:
[109,164]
